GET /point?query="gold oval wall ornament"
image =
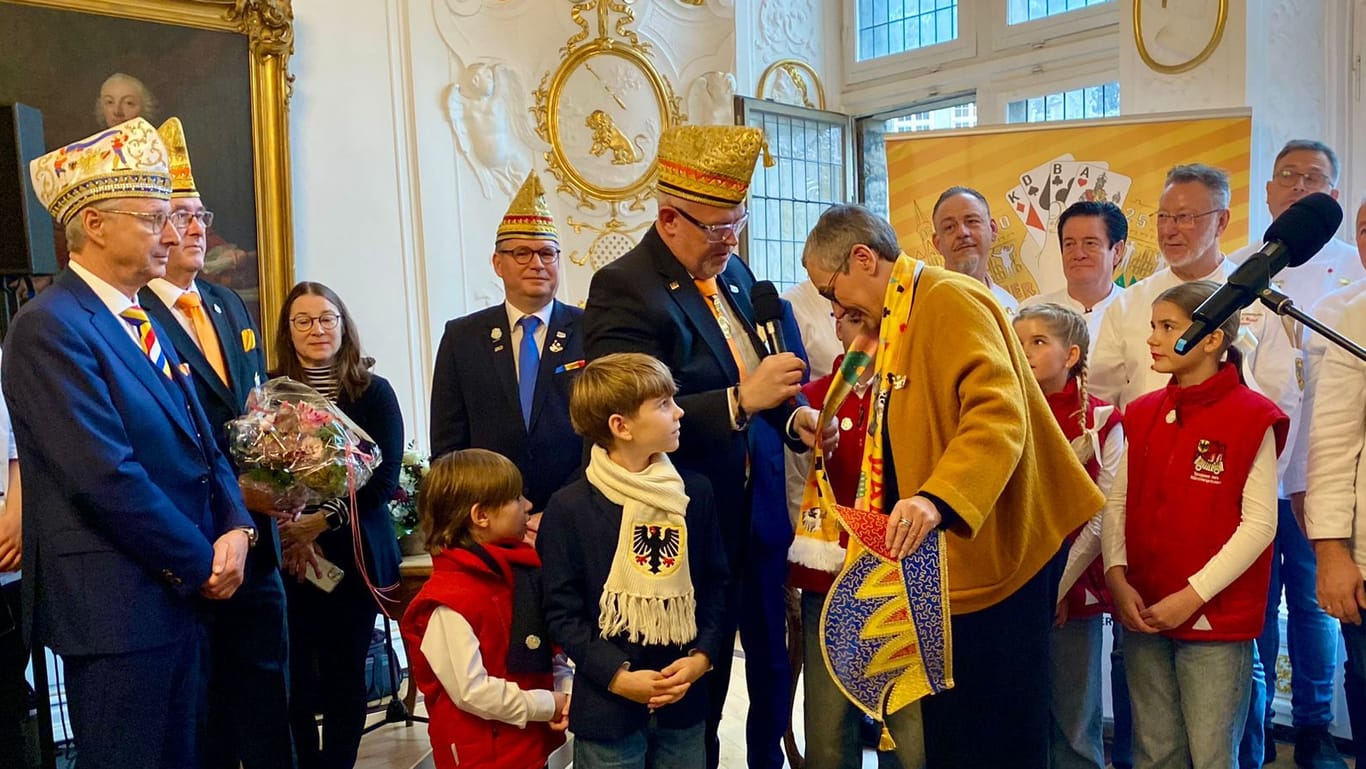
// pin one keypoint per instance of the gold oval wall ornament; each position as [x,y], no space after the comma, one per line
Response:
[1175,69]
[603,128]
[800,72]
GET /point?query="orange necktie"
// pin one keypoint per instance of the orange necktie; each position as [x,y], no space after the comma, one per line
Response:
[712,295]
[193,307]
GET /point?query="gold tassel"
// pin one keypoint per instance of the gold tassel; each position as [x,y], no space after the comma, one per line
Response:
[885,741]
[769,162]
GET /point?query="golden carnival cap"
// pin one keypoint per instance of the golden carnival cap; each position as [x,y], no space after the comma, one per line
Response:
[710,164]
[528,216]
[172,134]
[126,161]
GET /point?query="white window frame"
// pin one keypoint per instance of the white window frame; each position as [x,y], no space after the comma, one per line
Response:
[1007,35]
[1080,77]
[925,57]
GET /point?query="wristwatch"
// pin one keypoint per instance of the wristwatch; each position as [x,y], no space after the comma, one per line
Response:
[251,535]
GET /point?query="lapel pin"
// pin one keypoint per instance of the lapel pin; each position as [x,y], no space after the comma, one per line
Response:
[571,366]
[499,348]
[673,285]
[217,309]
[184,369]
[734,289]
[495,333]
[898,382]
[555,346]
[560,334]
[533,642]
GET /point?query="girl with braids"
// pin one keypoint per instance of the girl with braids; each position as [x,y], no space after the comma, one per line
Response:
[1055,341]
[1187,535]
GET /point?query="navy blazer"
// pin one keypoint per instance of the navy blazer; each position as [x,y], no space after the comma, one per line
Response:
[577,542]
[646,302]
[125,490]
[222,402]
[475,399]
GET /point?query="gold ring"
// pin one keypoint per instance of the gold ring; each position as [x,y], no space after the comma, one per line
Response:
[903,522]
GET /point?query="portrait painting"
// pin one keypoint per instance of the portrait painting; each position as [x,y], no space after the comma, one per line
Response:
[86,70]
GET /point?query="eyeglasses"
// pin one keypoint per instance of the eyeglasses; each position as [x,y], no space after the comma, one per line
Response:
[717,233]
[157,219]
[1288,177]
[327,321]
[547,255]
[1182,220]
[181,219]
[828,293]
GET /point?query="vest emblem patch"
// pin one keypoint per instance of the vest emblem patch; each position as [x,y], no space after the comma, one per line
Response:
[1209,461]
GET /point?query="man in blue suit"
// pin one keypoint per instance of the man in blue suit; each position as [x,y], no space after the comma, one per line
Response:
[211,331]
[499,387]
[133,516]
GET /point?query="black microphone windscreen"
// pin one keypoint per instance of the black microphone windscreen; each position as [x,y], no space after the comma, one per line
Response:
[767,306]
[1306,226]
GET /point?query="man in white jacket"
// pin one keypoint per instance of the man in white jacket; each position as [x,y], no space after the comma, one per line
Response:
[1335,503]
[1193,212]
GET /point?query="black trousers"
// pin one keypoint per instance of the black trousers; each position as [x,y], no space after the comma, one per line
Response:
[997,716]
[329,637]
[14,690]
[248,722]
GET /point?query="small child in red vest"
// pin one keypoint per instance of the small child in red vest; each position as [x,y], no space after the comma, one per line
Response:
[1056,341]
[1187,538]
[480,652]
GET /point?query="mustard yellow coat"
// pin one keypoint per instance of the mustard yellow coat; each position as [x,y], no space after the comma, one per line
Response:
[971,427]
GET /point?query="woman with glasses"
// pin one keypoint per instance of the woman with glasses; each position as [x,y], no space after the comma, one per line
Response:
[329,632]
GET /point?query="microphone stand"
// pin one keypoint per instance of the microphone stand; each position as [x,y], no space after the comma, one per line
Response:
[1283,305]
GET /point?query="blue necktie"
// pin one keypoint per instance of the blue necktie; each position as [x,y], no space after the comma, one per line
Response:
[528,363]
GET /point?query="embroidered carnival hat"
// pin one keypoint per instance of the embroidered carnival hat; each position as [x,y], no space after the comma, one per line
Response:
[528,216]
[710,164]
[126,161]
[172,134]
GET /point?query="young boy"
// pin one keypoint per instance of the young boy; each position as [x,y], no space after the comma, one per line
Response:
[634,574]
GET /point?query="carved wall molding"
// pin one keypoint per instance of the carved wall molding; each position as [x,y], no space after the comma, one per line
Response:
[786,29]
[711,99]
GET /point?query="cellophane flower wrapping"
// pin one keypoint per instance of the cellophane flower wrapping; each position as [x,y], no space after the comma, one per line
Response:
[296,446]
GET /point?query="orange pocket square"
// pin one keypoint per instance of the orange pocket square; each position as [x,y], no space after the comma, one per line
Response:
[248,340]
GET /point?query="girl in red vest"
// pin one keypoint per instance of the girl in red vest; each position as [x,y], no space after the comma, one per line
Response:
[480,652]
[1186,536]
[1056,341]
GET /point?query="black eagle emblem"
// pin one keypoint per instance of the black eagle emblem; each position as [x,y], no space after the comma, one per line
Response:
[655,547]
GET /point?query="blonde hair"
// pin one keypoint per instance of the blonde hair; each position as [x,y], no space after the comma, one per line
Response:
[456,483]
[615,384]
[1069,326]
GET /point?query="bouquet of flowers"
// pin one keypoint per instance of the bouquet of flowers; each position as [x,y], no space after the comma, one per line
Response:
[403,507]
[297,448]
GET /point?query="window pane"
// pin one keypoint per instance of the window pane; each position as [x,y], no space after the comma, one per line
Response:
[1020,11]
[957,116]
[1091,102]
[887,27]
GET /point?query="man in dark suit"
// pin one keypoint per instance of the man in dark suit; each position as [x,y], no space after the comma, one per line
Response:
[211,331]
[680,297]
[132,514]
[500,387]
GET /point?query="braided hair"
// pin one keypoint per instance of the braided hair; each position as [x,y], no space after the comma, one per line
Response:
[1070,327]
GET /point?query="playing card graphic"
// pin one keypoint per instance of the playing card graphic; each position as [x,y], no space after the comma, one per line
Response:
[1024,210]
[1042,182]
[1095,184]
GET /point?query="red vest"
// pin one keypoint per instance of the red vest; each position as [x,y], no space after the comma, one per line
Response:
[464,582]
[1089,596]
[842,468]
[1190,452]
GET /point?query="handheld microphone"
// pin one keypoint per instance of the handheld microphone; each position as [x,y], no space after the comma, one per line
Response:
[768,314]
[1291,240]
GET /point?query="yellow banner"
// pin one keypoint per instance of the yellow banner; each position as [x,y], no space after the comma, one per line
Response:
[1031,173]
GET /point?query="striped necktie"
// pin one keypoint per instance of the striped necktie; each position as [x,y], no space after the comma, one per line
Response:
[136,317]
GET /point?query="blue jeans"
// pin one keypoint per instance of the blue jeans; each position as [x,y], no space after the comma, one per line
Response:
[1354,683]
[1121,751]
[648,748]
[1078,737]
[832,721]
[1313,635]
[1252,745]
[1190,700]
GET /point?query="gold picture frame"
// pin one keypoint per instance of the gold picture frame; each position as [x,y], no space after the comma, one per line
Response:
[1221,20]
[804,78]
[267,26]
[592,156]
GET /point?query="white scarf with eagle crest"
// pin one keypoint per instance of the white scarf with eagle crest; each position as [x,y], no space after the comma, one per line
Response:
[648,594]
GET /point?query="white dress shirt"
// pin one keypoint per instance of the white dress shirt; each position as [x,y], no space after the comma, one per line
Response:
[111,297]
[816,322]
[1091,314]
[11,454]
[452,649]
[1335,502]
[1086,546]
[515,315]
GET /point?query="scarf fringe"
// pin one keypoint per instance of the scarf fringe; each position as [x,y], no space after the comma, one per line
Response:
[816,554]
[651,620]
